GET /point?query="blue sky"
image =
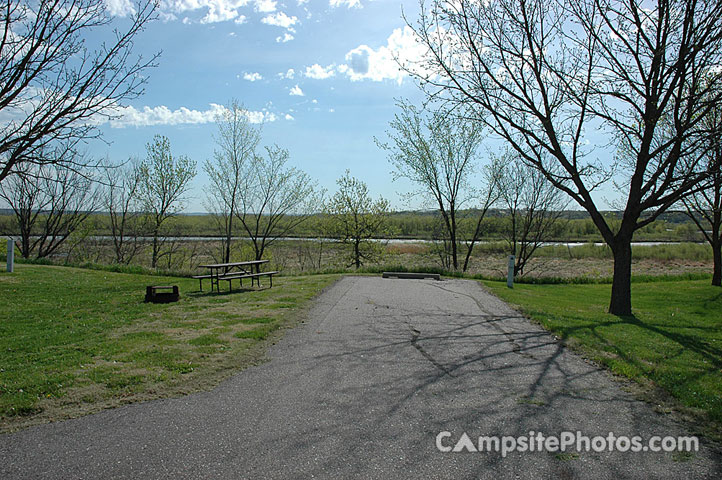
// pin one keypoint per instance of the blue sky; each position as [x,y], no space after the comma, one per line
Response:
[319,73]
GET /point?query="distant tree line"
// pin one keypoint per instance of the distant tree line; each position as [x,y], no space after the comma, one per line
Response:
[645,76]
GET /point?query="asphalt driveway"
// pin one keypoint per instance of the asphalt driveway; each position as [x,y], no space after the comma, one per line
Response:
[361,390]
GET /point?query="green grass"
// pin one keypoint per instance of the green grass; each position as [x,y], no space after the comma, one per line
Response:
[592,280]
[673,341]
[258,333]
[76,340]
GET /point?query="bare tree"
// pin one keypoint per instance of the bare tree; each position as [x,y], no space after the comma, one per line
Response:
[26,199]
[53,88]
[704,206]
[165,182]
[236,143]
[437,152]
[542,74]
[49,203]
[276,199]
[356,219]
[533,206]
[121,199]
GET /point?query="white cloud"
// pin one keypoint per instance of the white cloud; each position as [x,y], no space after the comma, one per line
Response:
[261,116]
[314,101]
[240,19]
[287,37]
[290,73]
[365,63]
[216,10]
[166,17]
[348,3]
[120,8]
[280,19]
[265,6]
[318,72]
[252,77]
[289,117]
[296,91]
[162,115]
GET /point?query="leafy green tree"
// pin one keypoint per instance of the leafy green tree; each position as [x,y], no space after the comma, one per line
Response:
[165,182]
[228,172]
[356,219]
[437,152]
[275,200]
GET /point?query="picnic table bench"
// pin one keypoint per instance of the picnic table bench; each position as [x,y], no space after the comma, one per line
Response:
[234,270]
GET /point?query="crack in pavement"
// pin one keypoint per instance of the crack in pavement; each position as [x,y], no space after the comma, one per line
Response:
[515,347]
[414,342]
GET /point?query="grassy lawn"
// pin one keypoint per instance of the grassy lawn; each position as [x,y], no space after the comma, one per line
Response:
[74,341]
[673,341]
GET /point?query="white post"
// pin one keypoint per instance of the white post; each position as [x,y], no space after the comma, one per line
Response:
[11,255]
[510,272]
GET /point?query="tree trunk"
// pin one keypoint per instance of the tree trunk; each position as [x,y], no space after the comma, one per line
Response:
[154,259]
[621,302]
[356,255]
[227,253]
[717,269]
[25,246]
[229,234]
[467,257]
[450,223]
[259,254]
[474,239]
[454,258]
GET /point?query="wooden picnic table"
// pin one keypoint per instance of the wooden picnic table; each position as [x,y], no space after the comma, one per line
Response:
[234,270]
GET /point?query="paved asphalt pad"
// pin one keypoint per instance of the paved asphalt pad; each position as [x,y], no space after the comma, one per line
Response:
[361,390]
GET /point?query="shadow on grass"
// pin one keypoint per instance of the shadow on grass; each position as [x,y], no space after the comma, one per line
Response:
[716,298]
[677,376]
[208,293]
[705,350]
